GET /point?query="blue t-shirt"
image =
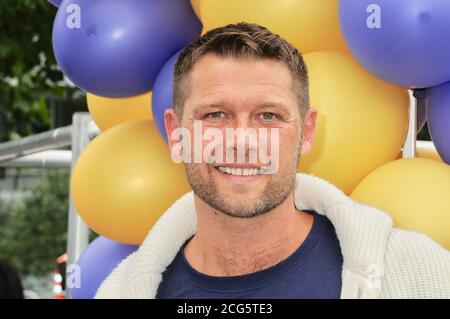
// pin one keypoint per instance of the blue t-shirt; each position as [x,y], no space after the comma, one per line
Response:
[312,271]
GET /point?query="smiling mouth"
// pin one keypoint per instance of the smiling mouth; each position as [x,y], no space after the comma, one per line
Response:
[241,171]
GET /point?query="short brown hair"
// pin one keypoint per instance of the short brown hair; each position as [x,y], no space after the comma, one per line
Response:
[241,40]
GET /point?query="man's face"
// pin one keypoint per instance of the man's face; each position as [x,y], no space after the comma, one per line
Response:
[229,93]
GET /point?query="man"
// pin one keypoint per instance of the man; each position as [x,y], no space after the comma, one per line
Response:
[247,231]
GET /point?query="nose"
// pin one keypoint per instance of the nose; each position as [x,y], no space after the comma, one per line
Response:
[242,120]
[242,139]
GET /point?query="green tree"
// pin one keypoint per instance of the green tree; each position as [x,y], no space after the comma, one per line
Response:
[5,209]
[29,76]
[35,232]
[424,134]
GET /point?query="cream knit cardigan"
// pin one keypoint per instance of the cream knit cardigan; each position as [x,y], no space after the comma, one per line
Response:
[379,260]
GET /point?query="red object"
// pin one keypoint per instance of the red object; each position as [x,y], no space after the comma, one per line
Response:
[59,277]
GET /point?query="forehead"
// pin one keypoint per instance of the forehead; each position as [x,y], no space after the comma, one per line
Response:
[239,81]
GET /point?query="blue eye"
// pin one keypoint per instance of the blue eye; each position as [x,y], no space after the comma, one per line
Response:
[267,116]
[215,115]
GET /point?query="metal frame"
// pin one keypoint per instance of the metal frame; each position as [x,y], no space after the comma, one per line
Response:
[78,232]
[44,159]
[38,151]
[36,143]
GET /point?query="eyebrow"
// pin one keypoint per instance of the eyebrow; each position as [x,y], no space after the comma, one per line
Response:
[272,105]
[264,105]
[200,108]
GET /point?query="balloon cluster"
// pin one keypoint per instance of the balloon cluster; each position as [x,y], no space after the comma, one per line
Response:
[361,56]
[114,50]
[406,42]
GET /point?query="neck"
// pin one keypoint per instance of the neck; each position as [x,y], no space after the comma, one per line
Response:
[230,246]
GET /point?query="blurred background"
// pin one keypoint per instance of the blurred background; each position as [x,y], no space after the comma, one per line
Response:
[34,97]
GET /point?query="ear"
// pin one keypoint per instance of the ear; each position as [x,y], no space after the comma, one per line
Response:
[171,122]
[309,130]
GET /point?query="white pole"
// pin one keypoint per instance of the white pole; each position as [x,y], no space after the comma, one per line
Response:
[78,232]
[49,140]
[45,159]
[409,148]
[35,143]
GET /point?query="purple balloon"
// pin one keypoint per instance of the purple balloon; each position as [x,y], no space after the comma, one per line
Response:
[421,114]
[115,48]
[56,3]
[162,94]
[438,113]
[97,262]
[406,42]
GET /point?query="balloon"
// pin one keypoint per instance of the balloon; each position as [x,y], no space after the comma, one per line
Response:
[415,192]
[438,113]
[421,114]
[162,94]
[56,3]
[424,151]
[361,124]
[96,263]
[115,48]
[428,153]
[196,6]
[308,25]
[108,112]
[405,42]
[124,180]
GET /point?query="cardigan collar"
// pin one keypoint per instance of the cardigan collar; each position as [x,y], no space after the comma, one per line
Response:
[362,232]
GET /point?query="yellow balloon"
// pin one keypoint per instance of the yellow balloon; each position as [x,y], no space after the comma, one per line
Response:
[124,181]
[415,192]
[108,112]
[425,152]
[361,124]
[196,6]
[310,25]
